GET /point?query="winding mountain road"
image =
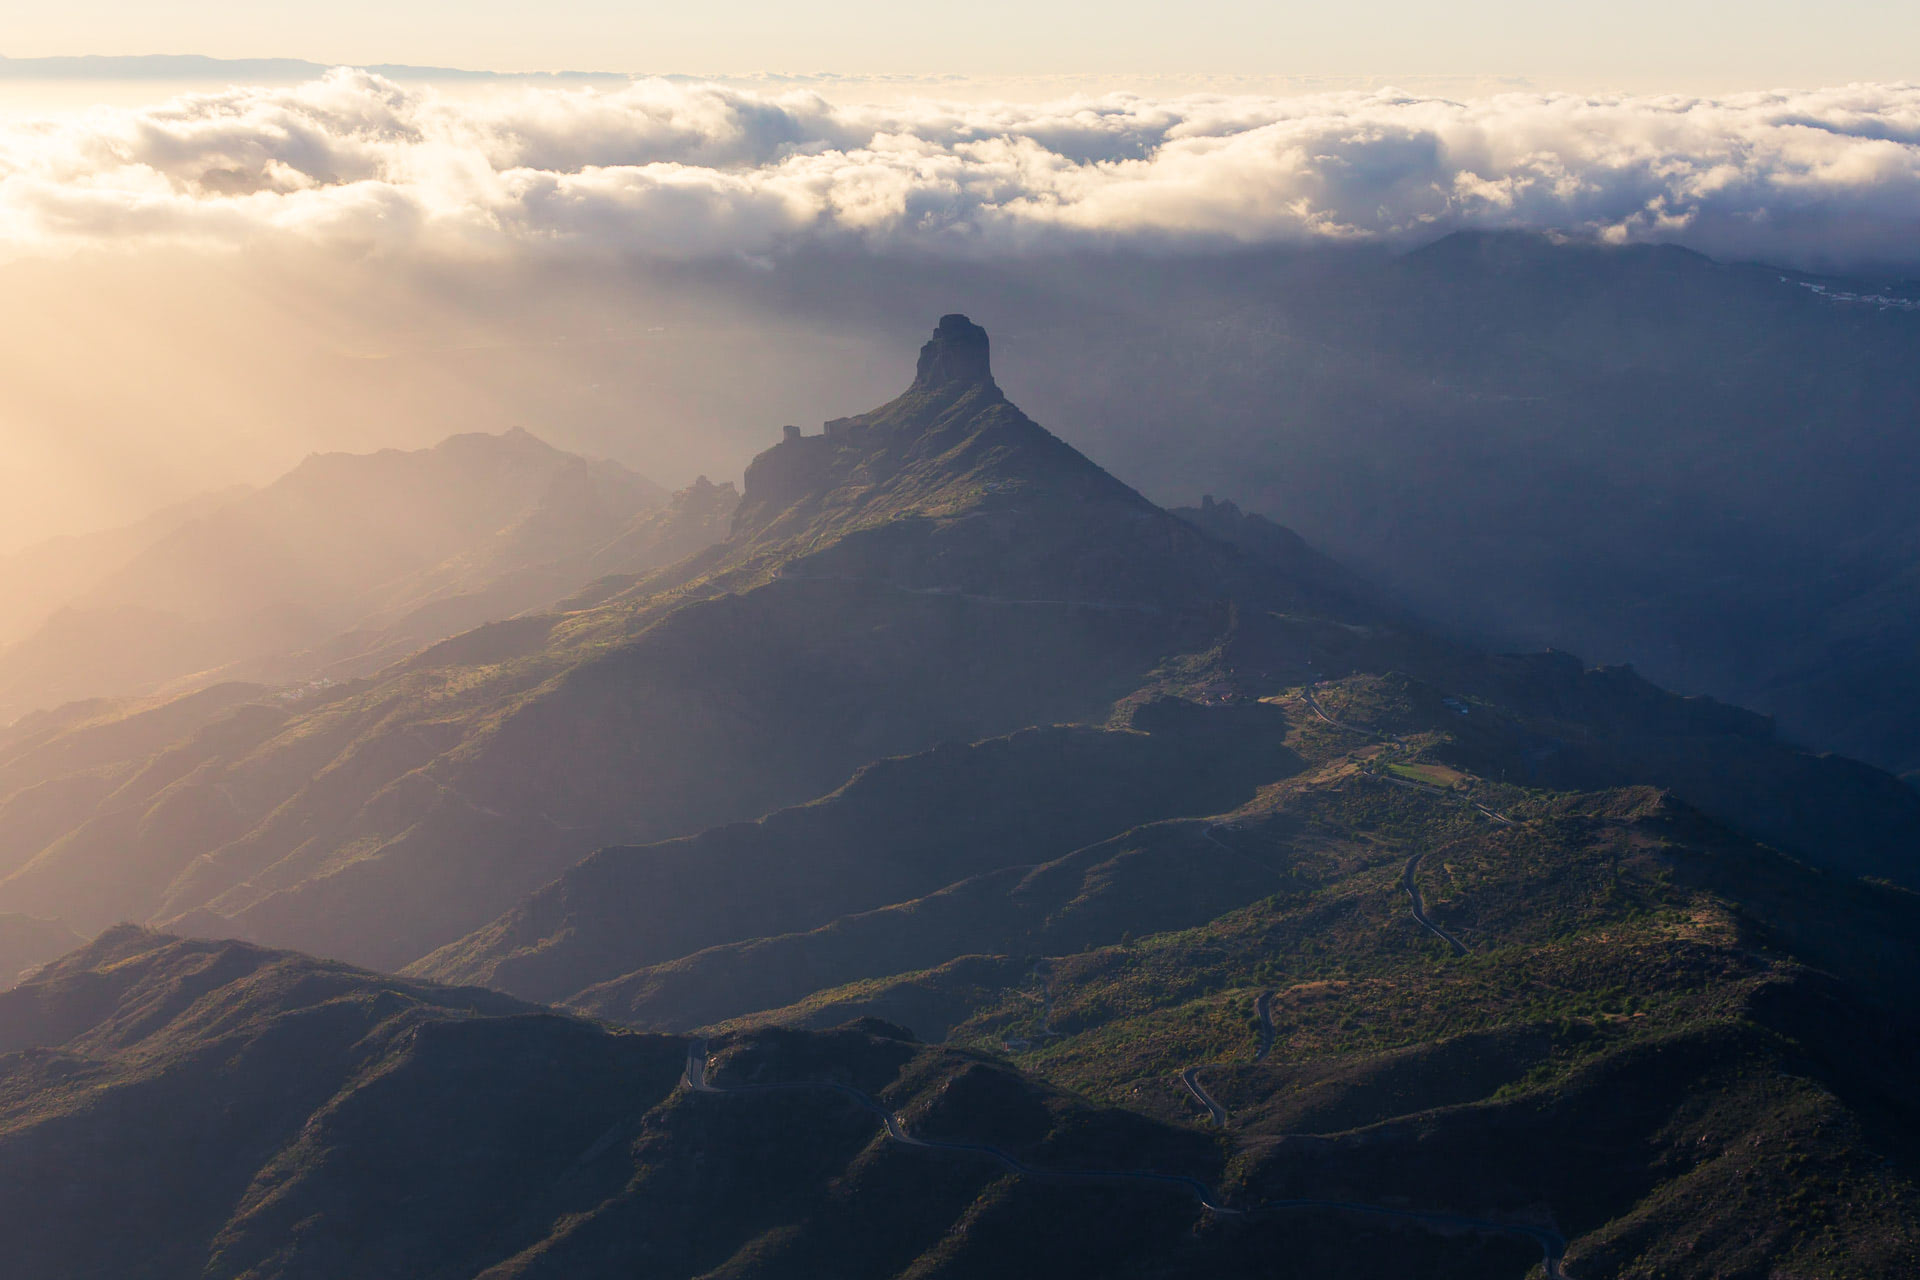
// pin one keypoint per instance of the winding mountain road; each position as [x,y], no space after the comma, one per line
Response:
[1306,692]
[1412,887]
[1552,1245]
[1191,1078]
[1407,880]
[1263,1010]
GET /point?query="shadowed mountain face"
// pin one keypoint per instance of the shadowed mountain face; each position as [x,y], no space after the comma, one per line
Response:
[345,564]
[1632,452]
[322,1121]
[900,829]
[952,490]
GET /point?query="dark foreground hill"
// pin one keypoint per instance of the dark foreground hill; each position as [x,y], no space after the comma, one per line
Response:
[239,1112]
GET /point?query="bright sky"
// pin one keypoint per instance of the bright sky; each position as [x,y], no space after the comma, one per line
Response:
[1691,45]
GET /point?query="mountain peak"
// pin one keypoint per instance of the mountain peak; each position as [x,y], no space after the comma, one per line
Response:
[956,354]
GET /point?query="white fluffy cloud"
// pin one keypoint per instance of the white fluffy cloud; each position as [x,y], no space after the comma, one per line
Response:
[1825,179]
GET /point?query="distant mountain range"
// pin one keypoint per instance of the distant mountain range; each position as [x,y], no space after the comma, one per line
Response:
[37,579]
[26,942]
[998,874]
[340,567]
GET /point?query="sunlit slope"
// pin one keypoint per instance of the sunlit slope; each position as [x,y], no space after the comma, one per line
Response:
[1315,769]
[942,569]
[664,936]
[1201,863]
[1685,1049]
[1682,1049]
[1310,878]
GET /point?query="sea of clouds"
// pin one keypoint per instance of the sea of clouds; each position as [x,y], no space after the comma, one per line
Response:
[1826,179]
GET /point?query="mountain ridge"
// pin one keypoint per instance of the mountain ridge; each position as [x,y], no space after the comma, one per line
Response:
[941,569]
[1279,923]
[888,498]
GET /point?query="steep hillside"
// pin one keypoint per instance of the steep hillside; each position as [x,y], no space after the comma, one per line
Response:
[1315,765]
[275,1117]
[635,938]
[1260,930]
[1689,1049]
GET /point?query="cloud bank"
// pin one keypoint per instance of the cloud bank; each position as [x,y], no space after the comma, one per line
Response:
[1824,179]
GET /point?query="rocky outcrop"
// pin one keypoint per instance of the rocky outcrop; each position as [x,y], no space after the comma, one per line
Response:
[957,353]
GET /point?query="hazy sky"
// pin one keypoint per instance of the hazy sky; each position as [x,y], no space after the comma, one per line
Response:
[202,288]
[1695,45]
[204,285]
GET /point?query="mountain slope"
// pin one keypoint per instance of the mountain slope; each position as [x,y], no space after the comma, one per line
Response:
[898,829]
[1691,1048]
[941,569]
[914,576]
[325,1121]
[243,1112]
[601,926]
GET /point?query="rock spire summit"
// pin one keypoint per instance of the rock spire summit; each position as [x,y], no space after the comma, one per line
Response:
[957,353]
